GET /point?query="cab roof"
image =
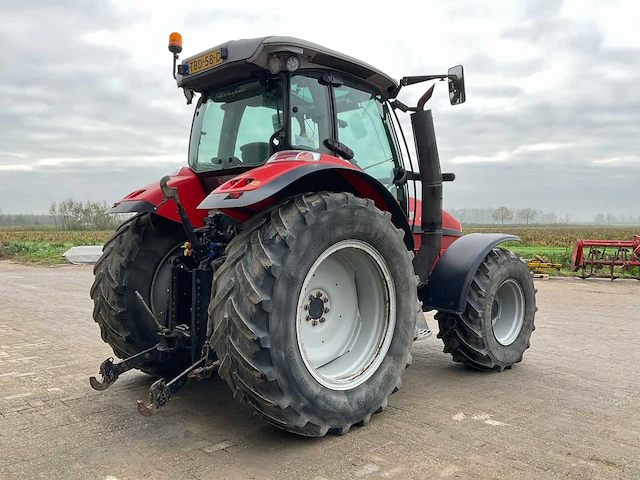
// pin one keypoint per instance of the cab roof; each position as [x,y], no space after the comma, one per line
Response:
[247,57]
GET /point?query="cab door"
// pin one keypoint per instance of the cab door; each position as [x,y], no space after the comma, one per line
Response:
[363,123]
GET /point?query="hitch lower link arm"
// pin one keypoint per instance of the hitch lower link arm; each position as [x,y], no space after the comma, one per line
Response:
[111,371]
[160,392]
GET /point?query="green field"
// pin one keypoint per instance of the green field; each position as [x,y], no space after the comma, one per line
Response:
[549,253]
[557,236]
[554,244]
[43,246]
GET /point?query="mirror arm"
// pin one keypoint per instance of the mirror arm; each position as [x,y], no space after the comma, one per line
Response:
[406,81]
[422,78]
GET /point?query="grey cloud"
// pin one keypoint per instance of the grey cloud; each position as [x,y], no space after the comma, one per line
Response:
[538,9]
[545,184]
[33,191]
[559,33]
[591,118]
[78,96]
[502,91]
[76,100]
[52,17]
[207,16]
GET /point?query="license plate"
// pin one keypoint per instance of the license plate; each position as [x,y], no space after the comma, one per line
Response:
[208,60]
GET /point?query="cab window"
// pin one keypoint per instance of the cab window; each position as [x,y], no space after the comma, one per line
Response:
[310,120]
[233,126]
[361,127]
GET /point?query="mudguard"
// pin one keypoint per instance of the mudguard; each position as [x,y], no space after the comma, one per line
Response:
[450,279]
[292,172]
[147,198]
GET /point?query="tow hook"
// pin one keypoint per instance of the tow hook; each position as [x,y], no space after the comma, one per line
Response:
[110,371]
[160,392]
[169,341]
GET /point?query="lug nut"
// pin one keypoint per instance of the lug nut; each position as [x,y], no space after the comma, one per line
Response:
[319,294]
[308,318]
[326,310]
[322,320]
[311,297]
[315,322]
[325,299]
[306,306]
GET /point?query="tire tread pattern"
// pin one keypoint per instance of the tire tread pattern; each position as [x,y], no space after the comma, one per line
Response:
[239,316]
[109,290]
[463,335]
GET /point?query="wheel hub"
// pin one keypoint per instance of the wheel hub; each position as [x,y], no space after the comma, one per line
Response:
[317,306]
[496,310]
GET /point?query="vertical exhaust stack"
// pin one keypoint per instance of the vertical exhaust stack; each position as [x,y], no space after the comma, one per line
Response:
[431,179]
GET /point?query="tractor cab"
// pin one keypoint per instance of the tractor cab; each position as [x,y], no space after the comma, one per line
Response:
[265,95]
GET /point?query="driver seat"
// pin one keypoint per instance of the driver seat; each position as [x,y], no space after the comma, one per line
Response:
[254,153]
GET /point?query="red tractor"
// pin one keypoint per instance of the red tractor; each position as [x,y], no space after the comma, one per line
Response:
[288,256]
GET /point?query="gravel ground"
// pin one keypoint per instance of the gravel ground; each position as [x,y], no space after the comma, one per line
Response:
[571,409]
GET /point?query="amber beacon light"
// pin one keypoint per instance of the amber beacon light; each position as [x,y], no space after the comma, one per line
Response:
[175,47]
[175,42]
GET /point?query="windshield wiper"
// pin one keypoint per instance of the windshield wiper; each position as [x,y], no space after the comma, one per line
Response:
[375,164]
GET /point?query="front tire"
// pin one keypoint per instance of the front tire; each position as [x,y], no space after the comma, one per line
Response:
[495,329]
[265,317]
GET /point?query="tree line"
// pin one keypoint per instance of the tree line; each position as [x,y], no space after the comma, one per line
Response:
[68,215]
[506,215]
[24,220]
[531,216]
[73,215]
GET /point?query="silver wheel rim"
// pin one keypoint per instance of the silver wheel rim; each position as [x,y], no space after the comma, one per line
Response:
[346,315]
[507,312]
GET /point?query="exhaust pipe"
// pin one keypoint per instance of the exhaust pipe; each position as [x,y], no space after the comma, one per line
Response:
[431,178]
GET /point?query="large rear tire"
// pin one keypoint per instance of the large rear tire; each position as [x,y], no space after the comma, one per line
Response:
[136,258]
[313,313]
[495,329]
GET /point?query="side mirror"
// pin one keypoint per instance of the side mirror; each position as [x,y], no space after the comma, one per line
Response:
[456,85]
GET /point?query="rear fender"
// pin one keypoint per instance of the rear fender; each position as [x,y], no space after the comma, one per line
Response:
[290,173]
[147,198]
[452,275]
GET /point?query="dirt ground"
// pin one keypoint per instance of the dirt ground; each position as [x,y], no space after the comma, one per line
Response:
[571,409]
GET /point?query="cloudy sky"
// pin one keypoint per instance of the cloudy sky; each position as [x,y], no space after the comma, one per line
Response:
[89,108]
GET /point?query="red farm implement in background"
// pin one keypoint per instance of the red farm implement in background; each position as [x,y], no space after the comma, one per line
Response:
[613,256]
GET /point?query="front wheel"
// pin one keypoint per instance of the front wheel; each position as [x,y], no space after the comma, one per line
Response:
[313,313]
[496,326]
